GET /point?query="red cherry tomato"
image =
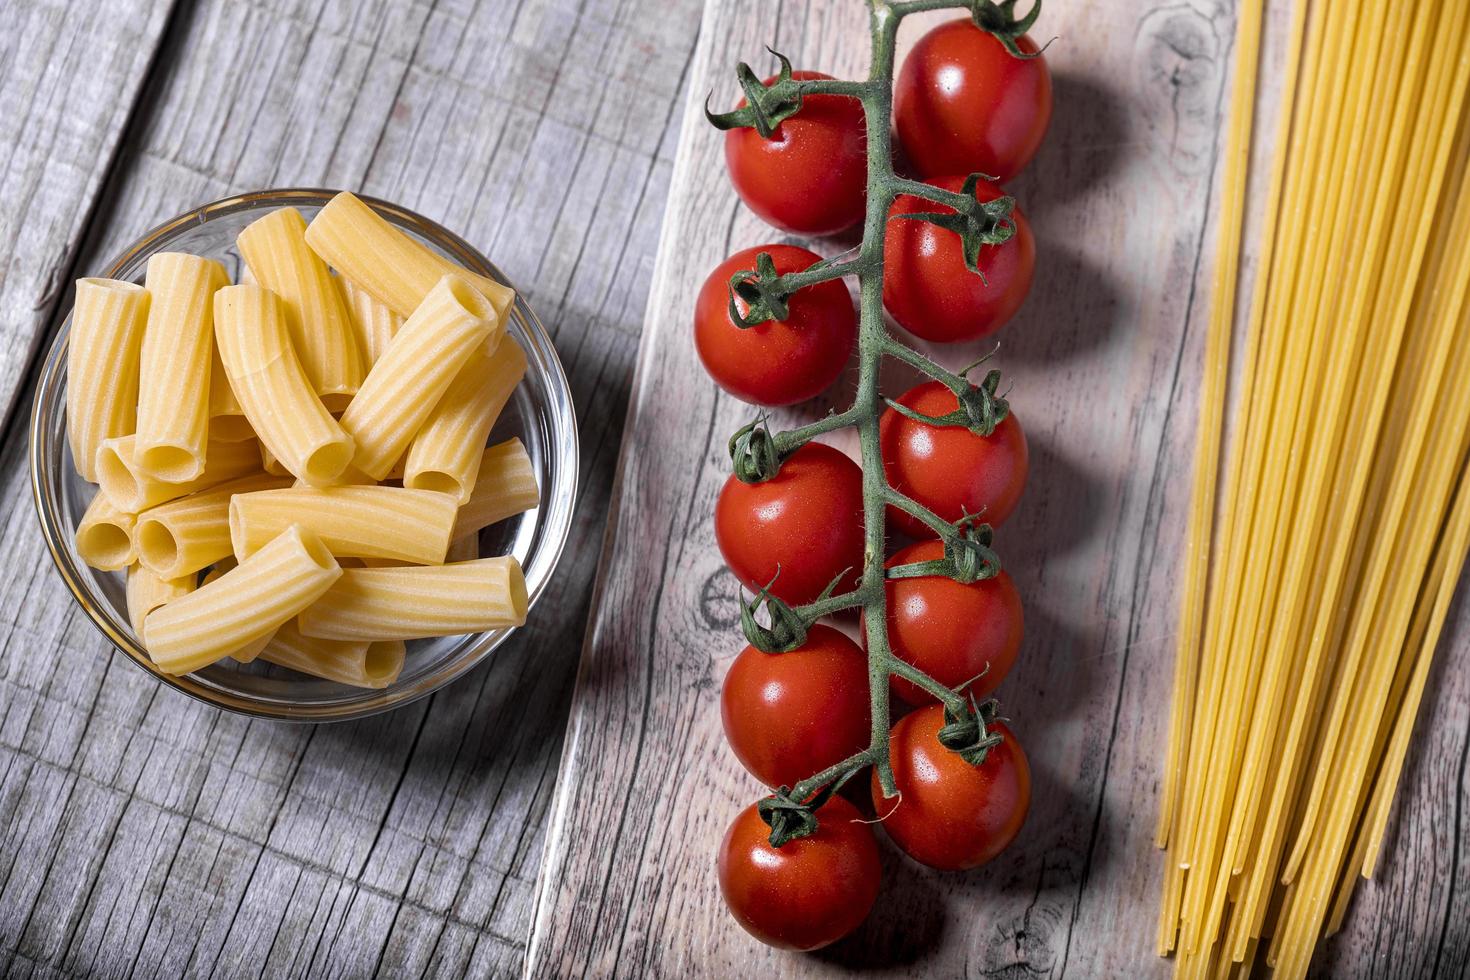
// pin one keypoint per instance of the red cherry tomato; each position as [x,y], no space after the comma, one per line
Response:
[791,715]
[811,176]
[949,814]
[928,288]
[780,362]
[808,892]
[806,522]
[952,632]
[950,469]
[963,104]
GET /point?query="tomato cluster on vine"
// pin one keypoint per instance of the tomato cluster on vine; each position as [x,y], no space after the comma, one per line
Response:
[774,325]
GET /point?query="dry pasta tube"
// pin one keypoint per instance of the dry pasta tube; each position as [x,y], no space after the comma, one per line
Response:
[361,522]
[242,605]
[505,486]
[273,389]
[271,465]
[105,535]
[364,247]
[147,592]
[132,490]
[227,421]
[350,477]
[415,601]
[102,353]
[466,548]
[445,455]
[414,372]
[251,650]
[374,664]
[190,533]
[173,387]
[274,248]
[219,568]
[373,322]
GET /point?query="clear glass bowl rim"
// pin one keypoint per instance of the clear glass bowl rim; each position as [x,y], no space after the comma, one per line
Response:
[557,505]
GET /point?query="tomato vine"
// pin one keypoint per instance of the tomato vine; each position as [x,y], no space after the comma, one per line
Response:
[757,453]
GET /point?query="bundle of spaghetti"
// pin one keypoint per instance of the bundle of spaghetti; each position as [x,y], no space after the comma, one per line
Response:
[1318,579]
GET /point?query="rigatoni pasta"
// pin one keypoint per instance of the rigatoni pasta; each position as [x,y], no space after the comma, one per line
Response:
[173,406]
[505,485]
[193,532]
[227,421]
[373,321]
[350,477]
[466,548]
[147,592]
[359,522]
[271,465]
[274,248]
[133,490]
[251,650]
[359,663]
[273,389]
[363,246]
[409,379]
[102,366]
[105,535]
[445,455]
[231,494]
[242,605]
[415,601]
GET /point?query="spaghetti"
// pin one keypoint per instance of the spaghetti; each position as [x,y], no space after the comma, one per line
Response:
[1318,595]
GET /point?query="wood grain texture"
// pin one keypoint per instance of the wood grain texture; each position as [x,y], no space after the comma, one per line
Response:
[69,81]
[1104,366]
[144,834]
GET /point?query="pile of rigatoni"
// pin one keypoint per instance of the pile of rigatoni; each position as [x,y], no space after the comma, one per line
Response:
[1314,602]
[295,468]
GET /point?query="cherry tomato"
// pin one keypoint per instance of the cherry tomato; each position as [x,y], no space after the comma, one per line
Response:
[949,814]
[808,892]
[927,287]
[811,176]
[952,632]
[790,715]
[780,362]
[806,523]
[948,468]
[963,104]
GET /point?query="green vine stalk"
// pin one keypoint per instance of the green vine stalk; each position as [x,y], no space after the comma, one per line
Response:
[757,453]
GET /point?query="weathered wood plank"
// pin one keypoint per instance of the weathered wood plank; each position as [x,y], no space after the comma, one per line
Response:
[144,833]
[69,81]
[1104,367]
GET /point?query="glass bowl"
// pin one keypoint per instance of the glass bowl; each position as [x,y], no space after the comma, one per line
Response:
[540,413]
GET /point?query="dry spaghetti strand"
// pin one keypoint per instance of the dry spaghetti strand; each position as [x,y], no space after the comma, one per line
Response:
[1311,609]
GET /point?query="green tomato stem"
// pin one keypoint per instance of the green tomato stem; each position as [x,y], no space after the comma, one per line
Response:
[914,509]
[836,86]
[916,360]
[805,789]
[790,440]
[874,344]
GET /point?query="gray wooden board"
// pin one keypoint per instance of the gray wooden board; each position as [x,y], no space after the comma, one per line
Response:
[1104,363]
[140,832]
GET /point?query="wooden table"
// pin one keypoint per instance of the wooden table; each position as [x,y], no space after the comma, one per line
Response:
[142,833]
